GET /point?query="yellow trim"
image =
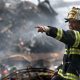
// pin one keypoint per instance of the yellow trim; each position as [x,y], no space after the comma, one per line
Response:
[59,34]
[65,51]
[77,41]
[73,51]
[68,75]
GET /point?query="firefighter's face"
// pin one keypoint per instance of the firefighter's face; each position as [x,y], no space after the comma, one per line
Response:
[74,24]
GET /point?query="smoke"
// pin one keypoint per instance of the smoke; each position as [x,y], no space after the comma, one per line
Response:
[20,43]
[18,34]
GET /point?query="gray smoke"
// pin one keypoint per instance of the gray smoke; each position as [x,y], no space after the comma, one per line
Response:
[17,30]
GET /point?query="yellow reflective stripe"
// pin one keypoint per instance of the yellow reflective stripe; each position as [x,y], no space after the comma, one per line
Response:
[72,76]
[77,41]
[59,34]
[65,51]
[73,51]
[68,75]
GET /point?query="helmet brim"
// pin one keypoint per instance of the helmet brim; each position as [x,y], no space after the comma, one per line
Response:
[66,19]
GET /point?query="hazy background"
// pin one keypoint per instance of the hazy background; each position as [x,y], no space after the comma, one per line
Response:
[20,43]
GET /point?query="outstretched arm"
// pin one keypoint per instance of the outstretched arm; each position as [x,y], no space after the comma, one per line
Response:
[69,37]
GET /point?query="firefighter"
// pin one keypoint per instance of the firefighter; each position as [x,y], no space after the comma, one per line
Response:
[70,69]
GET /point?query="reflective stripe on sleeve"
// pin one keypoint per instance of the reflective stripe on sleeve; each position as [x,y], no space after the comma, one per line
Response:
[77,41]
[68,75]
[59,34]
[73,51]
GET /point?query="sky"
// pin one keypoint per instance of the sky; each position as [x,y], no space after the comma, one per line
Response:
[36,1]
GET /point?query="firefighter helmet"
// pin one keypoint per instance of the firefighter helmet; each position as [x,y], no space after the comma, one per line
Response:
[73,14]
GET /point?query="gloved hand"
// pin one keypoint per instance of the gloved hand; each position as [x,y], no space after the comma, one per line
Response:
[42,28]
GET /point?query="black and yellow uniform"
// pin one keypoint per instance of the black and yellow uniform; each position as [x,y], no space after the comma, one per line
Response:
[71,61]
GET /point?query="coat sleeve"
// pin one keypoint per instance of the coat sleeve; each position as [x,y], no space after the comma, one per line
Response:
[69,37]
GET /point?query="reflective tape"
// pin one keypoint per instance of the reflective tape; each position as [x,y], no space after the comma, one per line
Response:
[73,51]
[77,41]
[68,75]
[59,34]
